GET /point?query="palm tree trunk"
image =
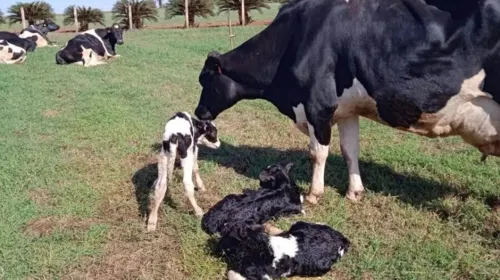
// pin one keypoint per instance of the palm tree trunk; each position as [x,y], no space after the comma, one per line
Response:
[247,17]
[160,3]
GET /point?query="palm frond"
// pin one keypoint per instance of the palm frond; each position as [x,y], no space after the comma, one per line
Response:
[33,12]
[86,16]
[142,10]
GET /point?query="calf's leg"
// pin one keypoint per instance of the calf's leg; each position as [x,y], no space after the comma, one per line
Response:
[349,145]
[196,170]
[187,163]
[160,188]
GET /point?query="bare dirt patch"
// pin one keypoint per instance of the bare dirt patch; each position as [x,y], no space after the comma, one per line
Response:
[41,197]
[50,113]
[46,226]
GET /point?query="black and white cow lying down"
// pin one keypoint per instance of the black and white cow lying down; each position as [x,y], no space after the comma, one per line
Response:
[305,250]
[91,47]
[181,138]
[428,67]
[10,53]
[28,44]
[278,196]
[41,31]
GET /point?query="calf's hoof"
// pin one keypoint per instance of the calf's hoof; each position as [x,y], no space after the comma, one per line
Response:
[201,190]
[151,227]
[354,196]
[313,199]
[198,212]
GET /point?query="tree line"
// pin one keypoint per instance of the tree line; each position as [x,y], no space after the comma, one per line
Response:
[142,11]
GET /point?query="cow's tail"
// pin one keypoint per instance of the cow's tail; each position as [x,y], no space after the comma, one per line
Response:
[59,59]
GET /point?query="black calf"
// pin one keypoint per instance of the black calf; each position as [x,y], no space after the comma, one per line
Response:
[234,213]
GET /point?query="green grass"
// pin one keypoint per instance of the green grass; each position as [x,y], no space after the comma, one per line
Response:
[77,150]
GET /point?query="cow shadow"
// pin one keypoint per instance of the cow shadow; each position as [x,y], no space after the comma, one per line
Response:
[409,188]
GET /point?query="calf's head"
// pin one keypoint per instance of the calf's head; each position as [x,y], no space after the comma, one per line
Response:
[115,34]
[219,92]
[206,132]
[275,175]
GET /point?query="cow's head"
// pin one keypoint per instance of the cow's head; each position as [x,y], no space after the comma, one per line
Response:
[115,34]
[219,92]
[47,26]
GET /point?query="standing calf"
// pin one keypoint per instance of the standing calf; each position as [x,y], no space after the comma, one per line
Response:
[306,250]
[182,136]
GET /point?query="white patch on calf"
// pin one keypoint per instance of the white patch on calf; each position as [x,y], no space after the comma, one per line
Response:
[283,246]
[40,41]
[93,33]
[178,125]
[341,252]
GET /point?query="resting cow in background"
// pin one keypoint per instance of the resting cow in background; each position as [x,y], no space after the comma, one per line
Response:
[28,44]
[40,30]
[426,67]
[10,53]
[101,42]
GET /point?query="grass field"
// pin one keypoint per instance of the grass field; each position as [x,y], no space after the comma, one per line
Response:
[78,152]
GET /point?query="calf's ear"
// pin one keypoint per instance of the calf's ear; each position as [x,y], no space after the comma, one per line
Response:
[213,61]
[288,167]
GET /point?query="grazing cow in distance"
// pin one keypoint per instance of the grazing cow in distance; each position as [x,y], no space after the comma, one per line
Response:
[41,31]
[11,54]
[28,44]
[102,42]
[306,250]
[426,67]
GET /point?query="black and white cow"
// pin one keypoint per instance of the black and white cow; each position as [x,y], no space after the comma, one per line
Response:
[28,44]
[100,42]
[426,67]
[10,53]
[40,30]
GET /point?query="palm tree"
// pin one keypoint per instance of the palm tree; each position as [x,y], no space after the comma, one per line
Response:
[85,17]
[235,5]
[2,19]
[33,11]
[196,8]
[141,10]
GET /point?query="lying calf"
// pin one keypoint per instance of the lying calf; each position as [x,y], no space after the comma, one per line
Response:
[279,196]
[182,136]
[306,250]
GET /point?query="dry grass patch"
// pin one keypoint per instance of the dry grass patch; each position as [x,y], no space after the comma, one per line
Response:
[42,197]
[50,113]
[46,226]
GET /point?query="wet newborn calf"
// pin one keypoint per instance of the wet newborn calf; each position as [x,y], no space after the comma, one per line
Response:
[306,250]
[182,136]
[278,196]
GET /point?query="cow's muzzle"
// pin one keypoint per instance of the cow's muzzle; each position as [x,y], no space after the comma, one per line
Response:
[120,42]
[203,114]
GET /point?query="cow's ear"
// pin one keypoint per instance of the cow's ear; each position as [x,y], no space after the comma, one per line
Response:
[213,61]
[108,29]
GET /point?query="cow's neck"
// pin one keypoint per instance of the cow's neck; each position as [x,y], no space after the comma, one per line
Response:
[255,62]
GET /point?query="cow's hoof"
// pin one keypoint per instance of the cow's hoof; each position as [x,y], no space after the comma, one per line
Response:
[354,196]
[313,199]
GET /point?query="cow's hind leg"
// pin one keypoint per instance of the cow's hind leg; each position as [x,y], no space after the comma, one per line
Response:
[349,145]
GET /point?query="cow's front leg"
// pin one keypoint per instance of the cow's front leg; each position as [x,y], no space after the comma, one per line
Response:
[318,148]
[349,145]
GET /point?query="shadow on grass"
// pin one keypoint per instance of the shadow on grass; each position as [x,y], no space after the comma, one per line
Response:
[143,181]
[410,188]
